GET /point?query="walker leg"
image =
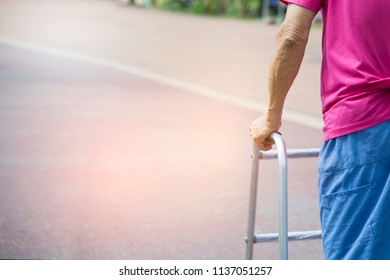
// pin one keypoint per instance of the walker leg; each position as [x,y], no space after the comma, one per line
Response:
[283,218]
[250,238]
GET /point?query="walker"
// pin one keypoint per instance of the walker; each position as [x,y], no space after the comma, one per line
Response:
[282,154]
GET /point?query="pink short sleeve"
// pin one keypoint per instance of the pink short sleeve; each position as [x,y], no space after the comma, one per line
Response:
[313,5]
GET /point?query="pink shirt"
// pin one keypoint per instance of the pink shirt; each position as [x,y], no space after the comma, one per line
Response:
[355,75]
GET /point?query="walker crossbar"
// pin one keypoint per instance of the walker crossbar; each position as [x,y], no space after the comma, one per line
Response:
[292,236]
[291,153]
[283,236]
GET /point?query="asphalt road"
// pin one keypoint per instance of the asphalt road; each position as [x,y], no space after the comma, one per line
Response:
[110,152]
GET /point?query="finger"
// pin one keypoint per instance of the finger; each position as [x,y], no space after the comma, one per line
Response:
[261,145]
[269,142]
[265,147]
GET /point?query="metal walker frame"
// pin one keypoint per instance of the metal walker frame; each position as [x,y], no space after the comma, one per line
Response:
[282,154]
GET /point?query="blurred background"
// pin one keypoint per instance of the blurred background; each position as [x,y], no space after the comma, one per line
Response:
[233,8]
[124,129]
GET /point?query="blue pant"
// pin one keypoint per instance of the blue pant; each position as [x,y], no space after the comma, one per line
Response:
[354,190]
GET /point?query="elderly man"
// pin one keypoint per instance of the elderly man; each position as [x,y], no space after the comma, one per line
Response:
[354,163]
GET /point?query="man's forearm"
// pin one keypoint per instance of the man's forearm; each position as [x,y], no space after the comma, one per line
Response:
[291,44]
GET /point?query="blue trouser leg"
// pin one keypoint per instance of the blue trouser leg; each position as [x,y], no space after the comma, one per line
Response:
[354,189]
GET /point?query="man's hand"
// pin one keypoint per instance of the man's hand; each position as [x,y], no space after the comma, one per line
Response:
[260,130]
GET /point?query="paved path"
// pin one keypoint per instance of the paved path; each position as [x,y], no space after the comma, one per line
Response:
[123,134]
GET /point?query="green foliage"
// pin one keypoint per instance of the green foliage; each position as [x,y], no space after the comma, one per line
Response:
[240,8]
